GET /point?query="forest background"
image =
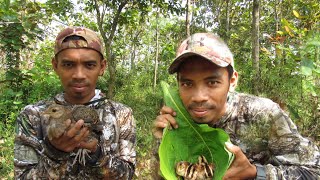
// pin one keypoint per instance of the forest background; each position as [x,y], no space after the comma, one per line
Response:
[276,45]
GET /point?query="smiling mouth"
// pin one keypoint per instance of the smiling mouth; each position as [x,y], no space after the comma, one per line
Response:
[199,112]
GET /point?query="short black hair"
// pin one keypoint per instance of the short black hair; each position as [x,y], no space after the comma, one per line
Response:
[230,71]
[73,37]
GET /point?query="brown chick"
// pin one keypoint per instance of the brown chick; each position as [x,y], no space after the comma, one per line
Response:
[198,171]
[56,116]
[89,116]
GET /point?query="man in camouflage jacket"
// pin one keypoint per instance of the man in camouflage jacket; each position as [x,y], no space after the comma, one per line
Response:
[264,139]
[78,62]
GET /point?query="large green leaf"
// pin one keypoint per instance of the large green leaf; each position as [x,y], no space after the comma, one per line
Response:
[190,140]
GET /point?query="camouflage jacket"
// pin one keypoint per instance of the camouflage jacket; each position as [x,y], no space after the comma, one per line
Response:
[36,158]
[268,137]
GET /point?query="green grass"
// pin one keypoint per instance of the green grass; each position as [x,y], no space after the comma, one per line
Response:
[6,151]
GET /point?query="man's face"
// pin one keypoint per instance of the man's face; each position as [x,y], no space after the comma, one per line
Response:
[203,88]
[78,70]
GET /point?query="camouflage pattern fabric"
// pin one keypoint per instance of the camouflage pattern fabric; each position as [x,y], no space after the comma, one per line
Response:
[36,158]
[206,46]
[92,40]
[268,136]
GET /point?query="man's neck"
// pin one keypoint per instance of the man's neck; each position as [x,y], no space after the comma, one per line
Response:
[218,118]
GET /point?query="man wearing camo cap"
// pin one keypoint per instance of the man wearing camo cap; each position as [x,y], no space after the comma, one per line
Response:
[265,141]
[78,62]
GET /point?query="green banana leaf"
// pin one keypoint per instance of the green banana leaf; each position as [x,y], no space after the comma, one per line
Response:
[191,140]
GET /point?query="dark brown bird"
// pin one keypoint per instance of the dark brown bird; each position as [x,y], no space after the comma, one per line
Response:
[56,116]
[55,119]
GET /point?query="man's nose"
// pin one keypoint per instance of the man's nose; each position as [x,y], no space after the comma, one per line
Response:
[200,95]
[79,73]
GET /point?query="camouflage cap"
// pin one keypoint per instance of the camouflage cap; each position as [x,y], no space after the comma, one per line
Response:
[207,45]
[92,40]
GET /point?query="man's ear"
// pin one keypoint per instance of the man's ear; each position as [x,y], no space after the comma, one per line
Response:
[103,67]
[233,81]
[54,63]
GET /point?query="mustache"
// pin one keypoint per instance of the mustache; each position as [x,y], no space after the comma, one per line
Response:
[203,105]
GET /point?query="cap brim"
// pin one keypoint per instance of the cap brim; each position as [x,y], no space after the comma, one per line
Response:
[178,60]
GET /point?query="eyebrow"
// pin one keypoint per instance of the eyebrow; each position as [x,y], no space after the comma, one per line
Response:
[71,61]
[215,75]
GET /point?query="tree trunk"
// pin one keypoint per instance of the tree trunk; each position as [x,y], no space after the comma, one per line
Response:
[255,47]
[188,14]
[157,54]
[133,53]
[112,73]
[227,21]
[277,9]
[107,42]
[276,14]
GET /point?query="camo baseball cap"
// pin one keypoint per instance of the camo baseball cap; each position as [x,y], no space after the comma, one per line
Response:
[207,45]
[91,40]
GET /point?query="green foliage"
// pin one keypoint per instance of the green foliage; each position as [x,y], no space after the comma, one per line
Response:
[39,83]
[136,91]
[6,148]
[145,103]
[191,140]
[42,77]
[20,27]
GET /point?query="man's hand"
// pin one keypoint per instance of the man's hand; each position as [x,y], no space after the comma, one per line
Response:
[240,168]
[165,119]
[74,137]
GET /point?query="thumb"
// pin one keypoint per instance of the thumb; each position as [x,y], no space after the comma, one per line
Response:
[232,148]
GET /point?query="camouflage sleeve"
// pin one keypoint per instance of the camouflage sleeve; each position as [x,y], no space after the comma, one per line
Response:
[121,165]
[33,158]
[292,156]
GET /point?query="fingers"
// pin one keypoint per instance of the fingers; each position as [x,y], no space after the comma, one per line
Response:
[232,148]
[82,134]
[77,133]
[91,145]
[167,110]
[74,130]
[240,168]
[235,150]
[72,137]
[165,119]
[166,116]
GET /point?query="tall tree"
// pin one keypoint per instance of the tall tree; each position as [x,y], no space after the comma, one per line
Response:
[157,52]
[227,20]
[255,46]
[111,14]
[101,8]
[188,17]
[22,23]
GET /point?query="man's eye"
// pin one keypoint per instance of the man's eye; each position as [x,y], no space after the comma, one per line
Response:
[186,84]
[67,64]
[91,65]
[211,83]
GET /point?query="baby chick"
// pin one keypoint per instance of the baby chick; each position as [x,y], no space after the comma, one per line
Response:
[198,171]
[56,116]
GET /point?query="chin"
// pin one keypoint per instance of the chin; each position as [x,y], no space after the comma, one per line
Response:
[200,120]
